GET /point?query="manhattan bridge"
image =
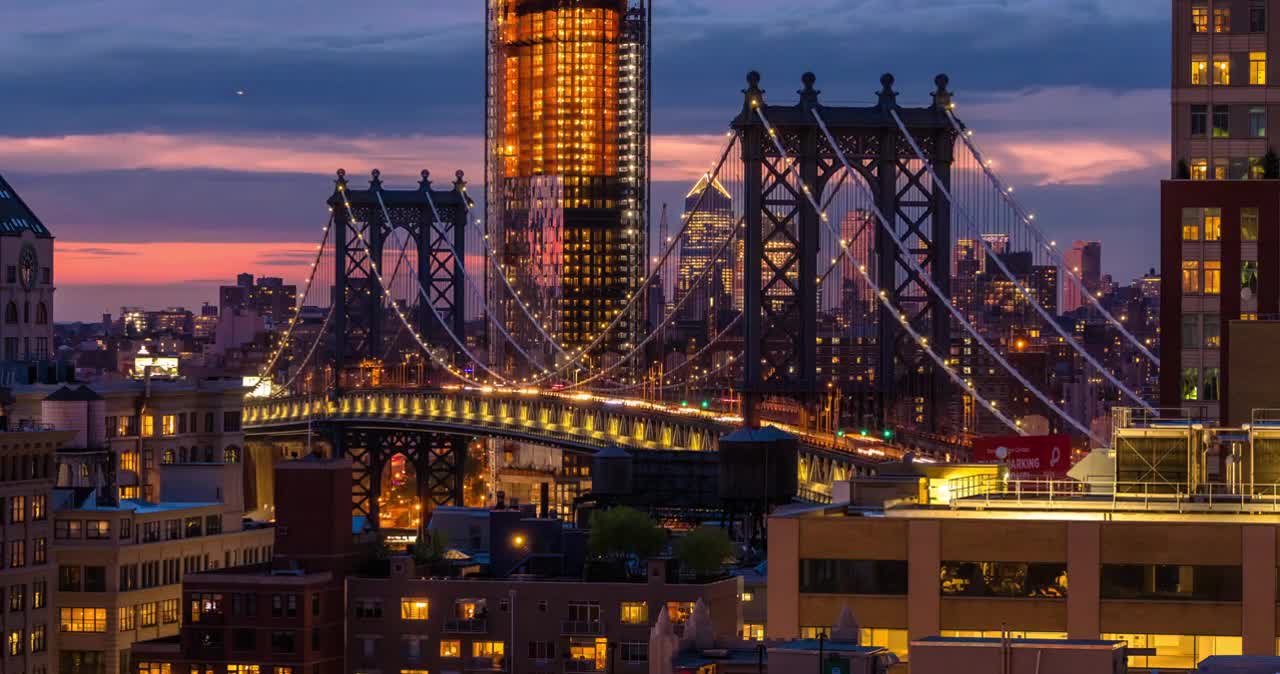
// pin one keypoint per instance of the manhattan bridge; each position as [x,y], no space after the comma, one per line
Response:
[884,229]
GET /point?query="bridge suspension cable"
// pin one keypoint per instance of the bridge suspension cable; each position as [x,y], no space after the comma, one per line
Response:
[267,369]
[1028,220]
[995,257]
[883,297]
[926,279]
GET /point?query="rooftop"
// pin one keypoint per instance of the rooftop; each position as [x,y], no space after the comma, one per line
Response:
[16,217]
[85,499]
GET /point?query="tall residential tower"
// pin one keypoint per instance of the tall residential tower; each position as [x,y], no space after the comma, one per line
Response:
[567,154]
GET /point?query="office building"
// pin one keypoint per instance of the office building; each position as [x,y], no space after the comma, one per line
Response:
[26,255]
[1085,261]
[1221,89]
[567,154]
[268,297]
[708,221]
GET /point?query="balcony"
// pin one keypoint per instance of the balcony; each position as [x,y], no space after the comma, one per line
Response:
[464,626]
[496,663]
[582,628]
[578,665]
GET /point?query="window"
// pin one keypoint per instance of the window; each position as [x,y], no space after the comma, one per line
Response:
[1046,580]
[1258,67]
[17,554]
[752,632]
[1190,383]
[1191,331]
[15,642]
[450,648]
[1212,224]
[1191,220]
[205,604]
[1199,70]
[195,527]
[128,618]
[169,611]
[40,508]
[1199,120]
[489,649]
[1248,224]
[97,529]
[38,594]
[17,509]
[147,614]
[413,608]
[633,651]
[1210,384]
[148,426]
[67,529]
[542,650]
[1221,121]
[17,597]
[1190,277]
[158,668]
[168,425]
[635,613]
[244,669]
[82,619]
[1175,651]
[590,652]
[1200,19]
[1258,16]
[368,608]
[853,576]
[1159,582]
[1222,19]
[1212,277]
[95,579]
[283,642]
[1221,69]
[213,524]
[231,421]
[39,643]
[208,422]
[1199,169]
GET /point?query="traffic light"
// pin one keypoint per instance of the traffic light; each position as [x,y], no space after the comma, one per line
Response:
[840,433]
[706,404]
[888,434]
[864,432]
[684,403]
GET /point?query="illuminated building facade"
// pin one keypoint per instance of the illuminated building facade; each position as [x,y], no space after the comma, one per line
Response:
[567,152]
[1085,260]
[708,223]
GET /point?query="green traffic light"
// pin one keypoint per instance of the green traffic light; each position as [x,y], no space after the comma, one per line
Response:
[888,434]
[684,403]
[864,432]
[706,404]
[840,434]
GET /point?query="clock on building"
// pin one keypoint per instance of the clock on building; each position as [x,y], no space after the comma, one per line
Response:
[28,264]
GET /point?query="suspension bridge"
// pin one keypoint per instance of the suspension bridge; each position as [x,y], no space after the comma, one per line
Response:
[868,270]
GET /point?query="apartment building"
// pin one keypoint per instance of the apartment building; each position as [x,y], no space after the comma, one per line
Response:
[27,572]
[406,622]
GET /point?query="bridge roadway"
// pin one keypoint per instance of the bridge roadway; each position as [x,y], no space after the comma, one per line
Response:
[575,421]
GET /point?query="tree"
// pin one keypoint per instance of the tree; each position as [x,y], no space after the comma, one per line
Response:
[622,532]
[430,549]
[1184,171]
[704,551]
[1271,165]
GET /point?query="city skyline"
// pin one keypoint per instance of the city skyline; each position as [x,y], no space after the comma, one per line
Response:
[248,172]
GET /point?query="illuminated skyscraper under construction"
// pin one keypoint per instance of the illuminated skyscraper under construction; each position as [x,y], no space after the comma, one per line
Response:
[567,155]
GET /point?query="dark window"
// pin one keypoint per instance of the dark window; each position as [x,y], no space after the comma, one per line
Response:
[1258,16]
[69,578]
[243,640]
[1004,579]
[213,524]
[95,579]
[208,422]
[1258,121]
[231,421]
[1170,582]
[1221,121]
[853,576]
[282,642]
[315,603]
[194,527]
[1199,120]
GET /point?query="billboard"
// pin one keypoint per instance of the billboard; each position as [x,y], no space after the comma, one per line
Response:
[1028,457]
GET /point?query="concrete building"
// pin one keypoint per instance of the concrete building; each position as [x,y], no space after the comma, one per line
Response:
[953,551]
[285,614]
[27,624]
[1222,91]
[268,297]
[26,290]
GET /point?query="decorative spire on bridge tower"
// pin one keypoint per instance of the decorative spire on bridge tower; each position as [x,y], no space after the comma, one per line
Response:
[425,183]
[753,93]
[808,95]
[341,182]
[942,97]
[375,180]
[888,97]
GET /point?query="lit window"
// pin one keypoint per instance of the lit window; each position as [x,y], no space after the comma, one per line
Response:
[1221,121]
[1200,19]
[1175,651]
[1221,69]
[450,648]
[82,619]
[1212,224]
[752,632]
[1191,218]
[414,608]
[169,424]
[635,613]
[148,426]
[17,509]
[1199,169]
[1212,331]
[1222,19]
[129,461]
[1199,70]
[244,669]
[1248,224]
[1212,277]
[1190,383]
[1190,277]
[1257,67]
[155,668]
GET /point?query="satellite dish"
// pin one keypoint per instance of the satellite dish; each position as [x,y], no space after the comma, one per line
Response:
[1002,453]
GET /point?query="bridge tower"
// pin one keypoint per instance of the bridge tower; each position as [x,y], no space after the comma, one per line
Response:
[360,313]
[780,260]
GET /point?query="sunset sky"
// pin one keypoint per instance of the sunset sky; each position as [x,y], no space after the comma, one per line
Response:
[121,125]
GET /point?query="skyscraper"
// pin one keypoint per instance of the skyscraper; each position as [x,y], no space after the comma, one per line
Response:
[567,152]
[1085,260]
[708,223]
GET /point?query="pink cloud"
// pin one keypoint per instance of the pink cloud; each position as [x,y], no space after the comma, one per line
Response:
[176,263]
